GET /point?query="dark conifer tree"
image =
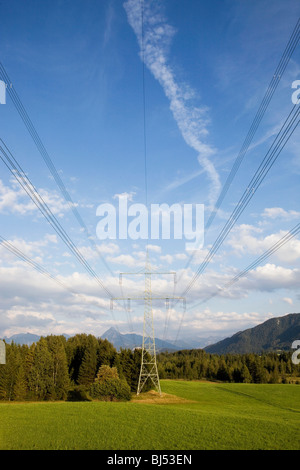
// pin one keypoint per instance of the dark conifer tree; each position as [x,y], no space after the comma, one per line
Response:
[88,367]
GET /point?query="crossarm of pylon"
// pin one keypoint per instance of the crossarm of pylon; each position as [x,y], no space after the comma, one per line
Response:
[145,298]
[173,273]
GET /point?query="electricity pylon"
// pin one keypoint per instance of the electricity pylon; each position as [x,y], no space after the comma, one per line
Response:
[148,368]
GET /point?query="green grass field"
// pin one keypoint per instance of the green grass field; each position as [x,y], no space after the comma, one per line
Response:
[200,415]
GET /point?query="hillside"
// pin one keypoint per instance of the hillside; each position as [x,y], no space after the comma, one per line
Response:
[272,335]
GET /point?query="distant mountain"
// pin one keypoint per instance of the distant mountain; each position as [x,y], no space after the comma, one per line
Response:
[132,340]
[129,340]
[272,335]
[22,338]
[197,343]
[25,338]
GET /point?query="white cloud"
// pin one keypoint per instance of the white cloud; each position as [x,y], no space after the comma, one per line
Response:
[125,195]
[14,199]
[18,311]
[207,320]
[181,256]
[192,121]
[34,249]
[170,258]
[154,248]
[249,239]
[270,277]
[267,278]
[278,212]
[104,249]
[33,302]
[167,258]
[127,260]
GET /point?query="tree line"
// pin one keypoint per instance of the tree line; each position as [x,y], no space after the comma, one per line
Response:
[86,367]
[196,364]
[56,368]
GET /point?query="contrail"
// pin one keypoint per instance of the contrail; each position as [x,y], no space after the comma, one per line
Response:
[154,37]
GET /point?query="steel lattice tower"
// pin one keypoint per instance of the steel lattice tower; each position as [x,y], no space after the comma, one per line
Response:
[149,364]
[148,370]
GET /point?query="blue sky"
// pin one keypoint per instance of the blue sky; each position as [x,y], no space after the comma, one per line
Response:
[77,69]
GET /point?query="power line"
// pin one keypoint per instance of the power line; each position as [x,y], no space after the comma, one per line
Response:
[49,163]
[16,170]
[274,151]
[144,101]
[38,267]
[43,152]
[275,247]
[19,174]
[148,368]
[290,47]
[33,264]
[293,41]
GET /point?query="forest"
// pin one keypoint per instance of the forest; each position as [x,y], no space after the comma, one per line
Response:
[84,367]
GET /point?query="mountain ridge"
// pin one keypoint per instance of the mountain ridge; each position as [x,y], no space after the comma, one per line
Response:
[125,340]
[274,334]
[133,340]
[26,338]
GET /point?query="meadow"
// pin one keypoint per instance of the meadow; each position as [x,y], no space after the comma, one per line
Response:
[189,415]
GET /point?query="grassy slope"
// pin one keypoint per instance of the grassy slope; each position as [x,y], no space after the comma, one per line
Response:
[218,416]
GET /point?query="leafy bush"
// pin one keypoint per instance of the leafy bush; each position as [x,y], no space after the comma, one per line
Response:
[111,390]
[108,386]
[106,373]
